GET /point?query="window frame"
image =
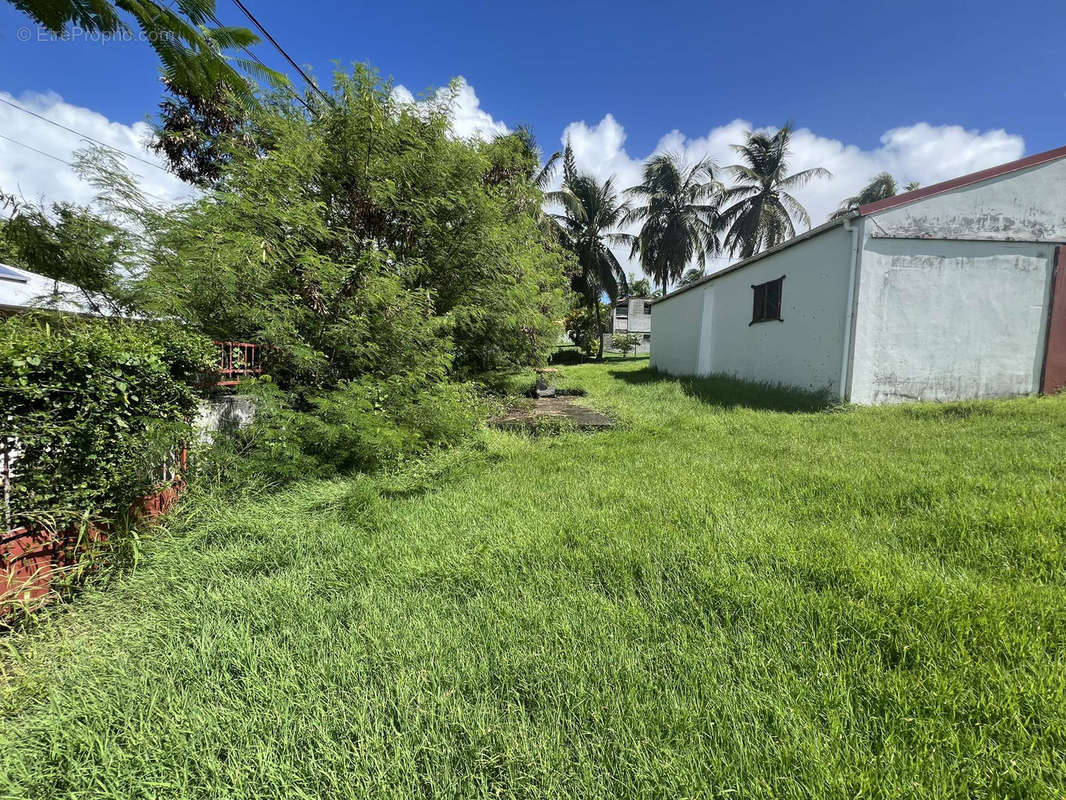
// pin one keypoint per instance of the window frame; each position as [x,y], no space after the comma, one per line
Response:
[624,309]
[761,310]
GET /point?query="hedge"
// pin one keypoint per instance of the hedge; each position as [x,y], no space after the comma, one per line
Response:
[93,406]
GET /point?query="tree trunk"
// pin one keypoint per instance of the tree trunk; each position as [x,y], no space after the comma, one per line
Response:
[599,330]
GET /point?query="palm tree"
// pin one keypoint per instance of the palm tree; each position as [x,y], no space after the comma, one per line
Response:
[760,209]
[591,213]
[677,219]
[880,187]
[691,276]
[186,36]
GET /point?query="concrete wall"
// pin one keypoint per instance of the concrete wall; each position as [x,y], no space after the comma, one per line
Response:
[949,320]
[677,320]
[1026,206]
[226,413]
[707,329]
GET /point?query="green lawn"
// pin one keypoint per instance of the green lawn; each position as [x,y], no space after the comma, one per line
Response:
[734,594]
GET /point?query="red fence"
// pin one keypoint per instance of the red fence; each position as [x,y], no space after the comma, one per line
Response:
[237,360]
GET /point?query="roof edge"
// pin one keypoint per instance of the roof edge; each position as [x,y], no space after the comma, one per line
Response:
[825,226]
[964,180]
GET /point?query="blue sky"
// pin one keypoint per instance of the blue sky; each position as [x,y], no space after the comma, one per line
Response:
[926,89]
[847,70]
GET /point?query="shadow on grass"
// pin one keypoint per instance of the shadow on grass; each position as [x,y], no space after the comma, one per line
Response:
[727,392]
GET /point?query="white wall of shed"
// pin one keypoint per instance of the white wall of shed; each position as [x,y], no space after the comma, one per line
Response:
[949,320]
[804,350]
[1025,206]
[708,330]
[676,341]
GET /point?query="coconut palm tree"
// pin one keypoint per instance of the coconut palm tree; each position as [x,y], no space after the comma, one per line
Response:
[592,211]
[880,187]
[186,36]
[759,209]
[677,217]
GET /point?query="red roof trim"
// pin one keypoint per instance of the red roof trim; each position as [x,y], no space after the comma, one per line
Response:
[965,180]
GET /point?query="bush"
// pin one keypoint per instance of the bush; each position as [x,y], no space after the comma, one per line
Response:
[624,342]
[365,425]
[94,407]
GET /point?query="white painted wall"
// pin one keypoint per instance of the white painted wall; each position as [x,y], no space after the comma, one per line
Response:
[1026,206]
[676,321]
[949,320]
[707,329]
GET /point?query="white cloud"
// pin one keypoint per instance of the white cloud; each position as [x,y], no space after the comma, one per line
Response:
[38,177]
[921,152]
[469,120]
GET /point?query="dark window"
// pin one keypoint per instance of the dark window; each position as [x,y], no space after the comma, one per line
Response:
[767,304]
[647,308]
[622,311]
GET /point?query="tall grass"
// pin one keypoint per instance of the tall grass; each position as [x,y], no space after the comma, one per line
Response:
[733,595]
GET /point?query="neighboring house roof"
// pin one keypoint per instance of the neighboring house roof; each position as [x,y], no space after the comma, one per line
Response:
[22,290]
[881,205]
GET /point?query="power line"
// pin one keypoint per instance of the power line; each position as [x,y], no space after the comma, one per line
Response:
[280,49]
[259,61]
[79,133]
[73,166]
[34,149]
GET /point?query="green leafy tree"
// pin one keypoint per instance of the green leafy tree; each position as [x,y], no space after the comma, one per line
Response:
[73,244]
[184,34]
[625,342]
[196,132]
[582,327]
[677,216]
[759,211]
[592,211]
[367,241]
[639,286]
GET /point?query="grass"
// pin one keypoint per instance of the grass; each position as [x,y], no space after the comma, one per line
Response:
[736,594]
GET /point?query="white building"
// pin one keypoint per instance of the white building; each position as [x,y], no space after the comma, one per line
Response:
[22,290]
[944,293]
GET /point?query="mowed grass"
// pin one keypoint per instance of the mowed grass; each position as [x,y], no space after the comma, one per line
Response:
[735,594]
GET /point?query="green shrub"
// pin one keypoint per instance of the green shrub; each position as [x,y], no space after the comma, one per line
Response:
[94,407]
[365,425]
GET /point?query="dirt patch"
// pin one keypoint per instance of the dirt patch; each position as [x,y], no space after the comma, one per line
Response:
[552,409]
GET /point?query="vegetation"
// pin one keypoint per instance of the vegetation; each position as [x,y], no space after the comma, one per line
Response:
[640,287]
[367,242]
[691,276]
[196,132]
[881,187]
[591,210]
[758,210]
[625,343]
[94,407]
[71,244]
[735,593]
[185,35]
[677,218]
[584,326]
